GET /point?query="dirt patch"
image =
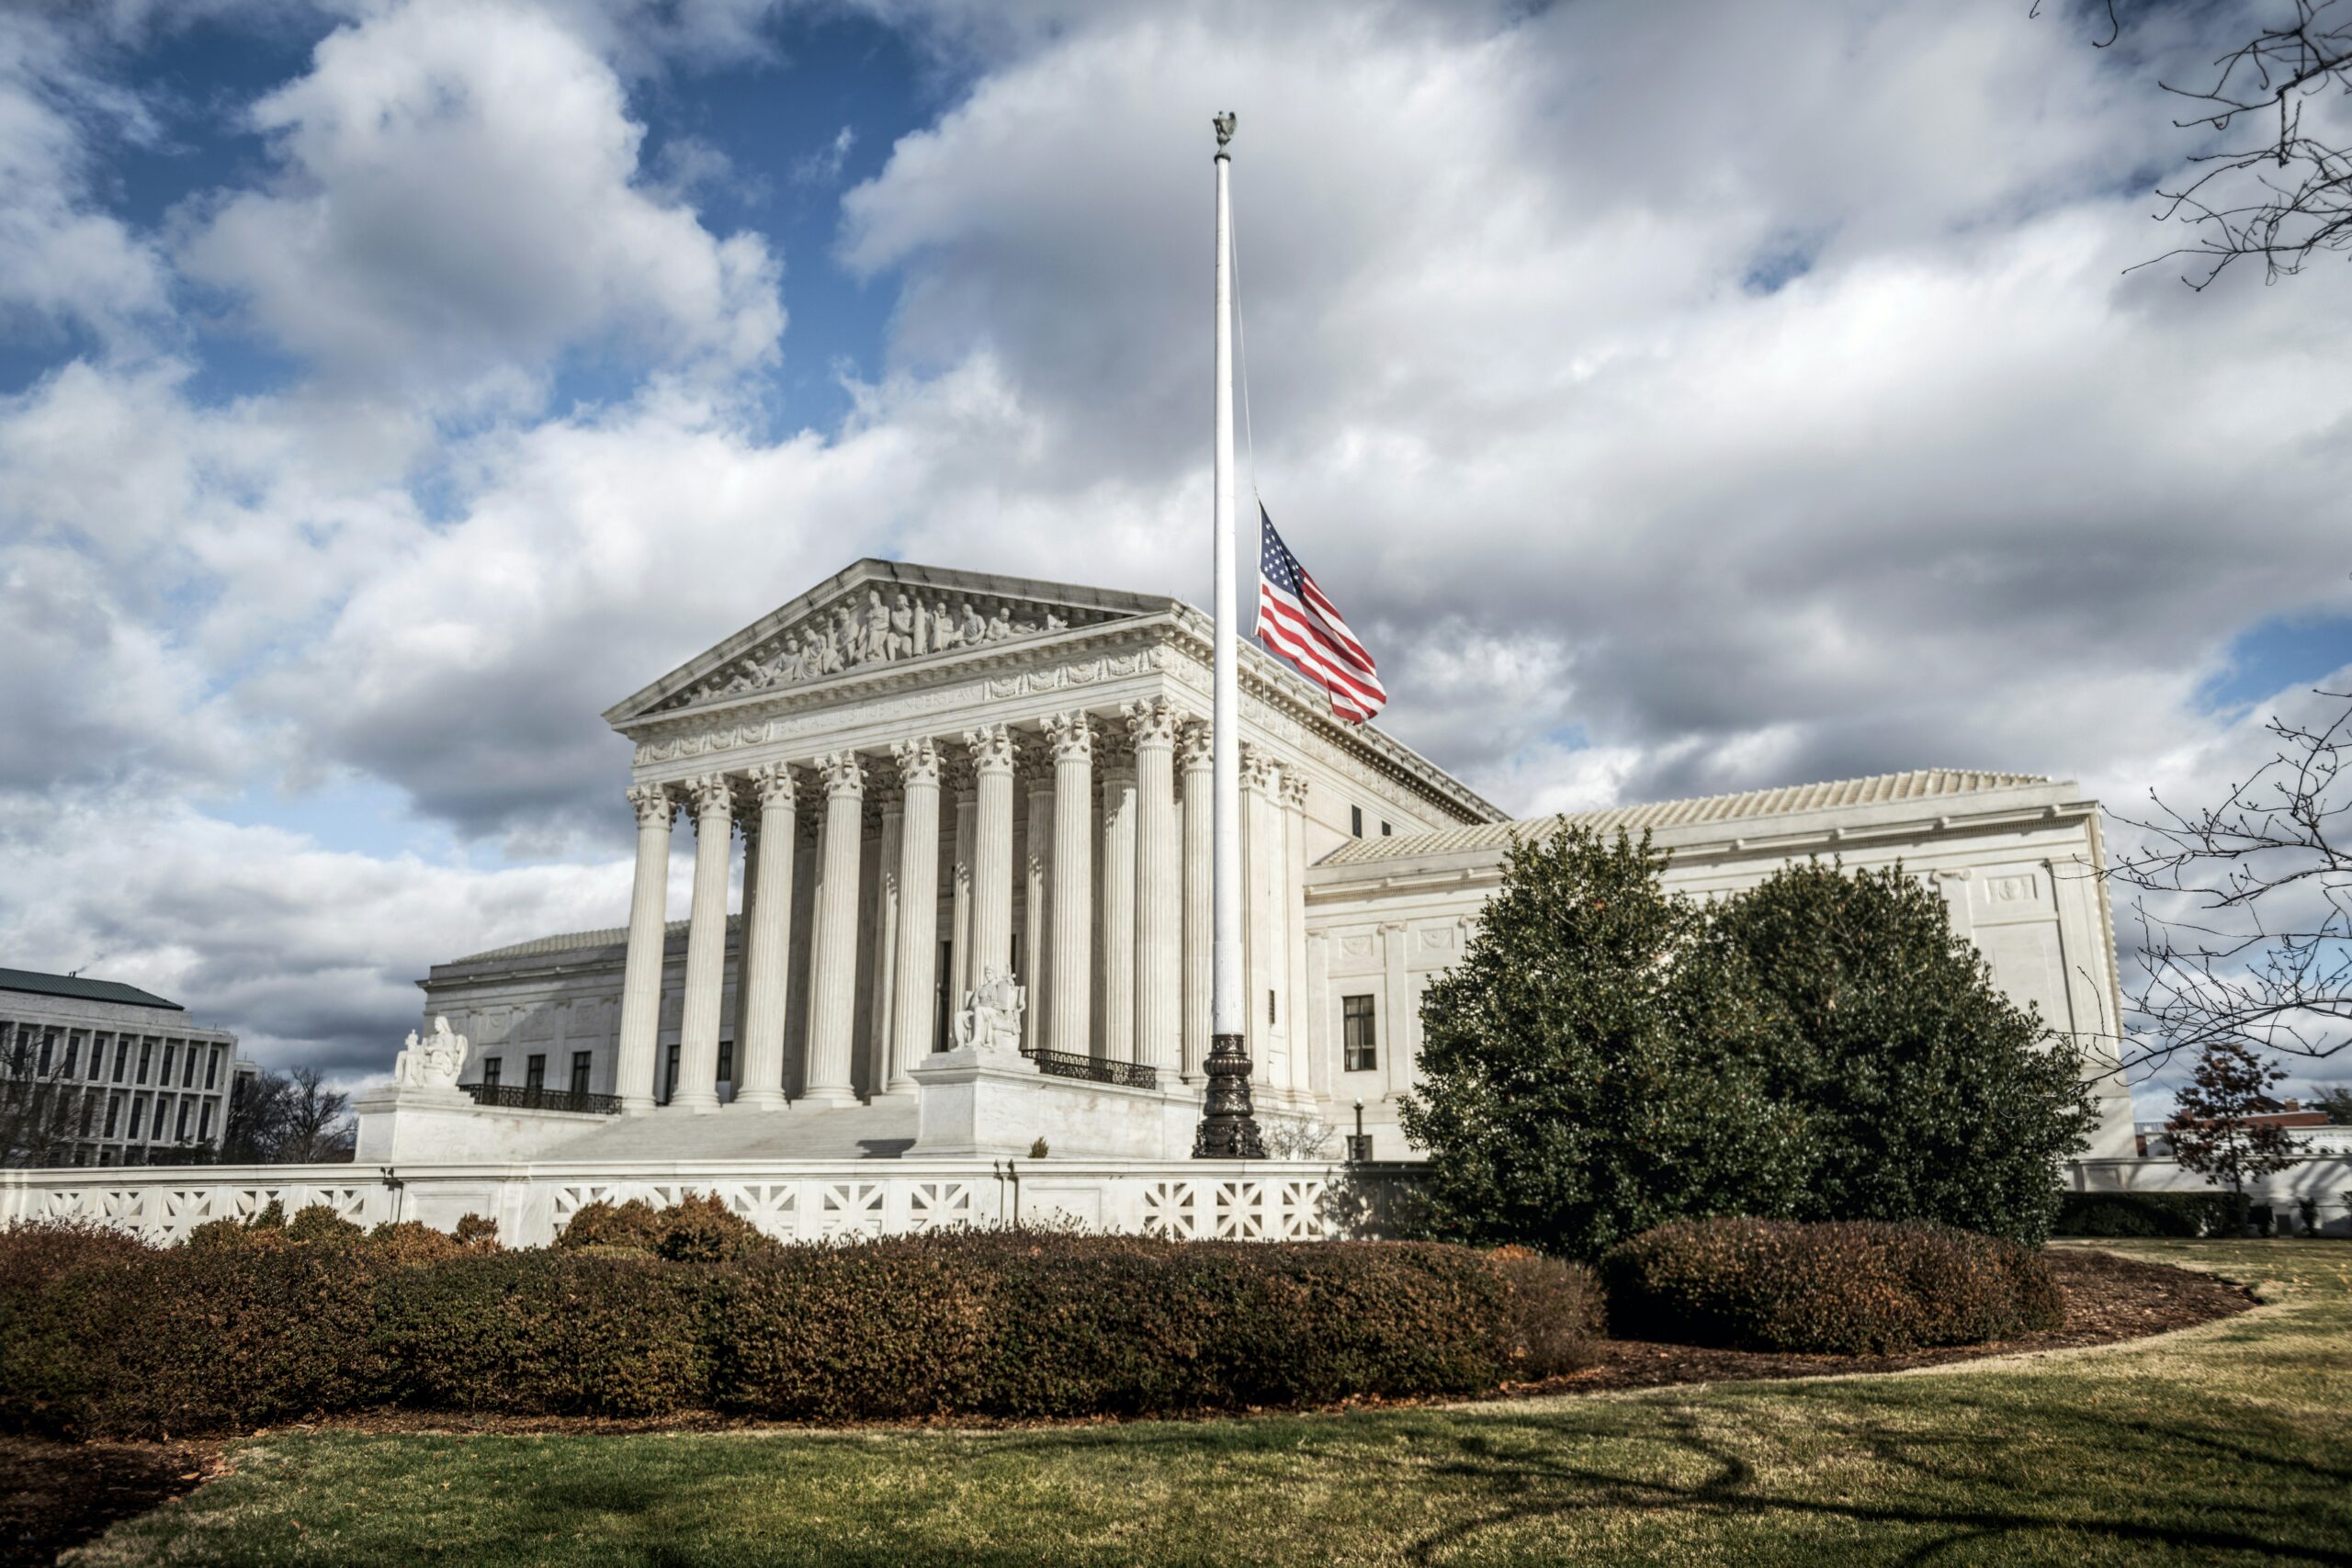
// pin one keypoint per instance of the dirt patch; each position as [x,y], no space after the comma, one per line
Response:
[2106,1298]
[55,1495]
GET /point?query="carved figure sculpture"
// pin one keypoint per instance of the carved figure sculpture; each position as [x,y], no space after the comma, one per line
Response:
[902,629]
[877,626]
[431,1061]
[1002,626]
[990,1019]
[973,627]
[853,636]
[944,632]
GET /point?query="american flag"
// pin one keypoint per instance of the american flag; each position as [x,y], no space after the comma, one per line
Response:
[1297,622]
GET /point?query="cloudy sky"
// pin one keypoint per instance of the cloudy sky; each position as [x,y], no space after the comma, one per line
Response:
[1679,401]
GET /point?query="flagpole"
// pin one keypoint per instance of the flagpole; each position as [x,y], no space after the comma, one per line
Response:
[1228,1128]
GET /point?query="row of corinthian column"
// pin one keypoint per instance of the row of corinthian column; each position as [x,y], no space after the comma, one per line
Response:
[1154,903]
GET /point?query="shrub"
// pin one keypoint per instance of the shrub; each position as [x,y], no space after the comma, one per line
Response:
[407,1242]
[703,1229]
[318,1222]
[478,1230]
[584,1333]
[605,1224]
[193,1339]
[1850,1288]
[2150,1214]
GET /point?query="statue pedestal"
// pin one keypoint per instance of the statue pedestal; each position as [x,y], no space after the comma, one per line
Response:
[412,1124]
[986,1104]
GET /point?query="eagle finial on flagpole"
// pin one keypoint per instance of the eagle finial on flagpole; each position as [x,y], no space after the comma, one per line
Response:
[1224,124]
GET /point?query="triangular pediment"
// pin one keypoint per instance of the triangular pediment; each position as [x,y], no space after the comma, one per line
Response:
[880,614]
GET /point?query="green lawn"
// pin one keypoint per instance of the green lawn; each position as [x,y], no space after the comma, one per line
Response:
[2226,1443]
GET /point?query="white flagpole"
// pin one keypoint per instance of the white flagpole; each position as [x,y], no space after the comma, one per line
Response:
[1228,1130]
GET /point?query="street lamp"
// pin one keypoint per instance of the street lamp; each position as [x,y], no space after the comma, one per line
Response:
[1359,1145]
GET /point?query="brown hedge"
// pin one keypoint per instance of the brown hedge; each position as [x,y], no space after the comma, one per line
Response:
[1847,1287]
[230,1335]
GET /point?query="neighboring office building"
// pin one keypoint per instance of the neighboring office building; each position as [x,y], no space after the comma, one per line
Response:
[95,1072]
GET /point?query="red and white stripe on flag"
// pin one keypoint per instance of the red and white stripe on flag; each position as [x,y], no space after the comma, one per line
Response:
[1299,622]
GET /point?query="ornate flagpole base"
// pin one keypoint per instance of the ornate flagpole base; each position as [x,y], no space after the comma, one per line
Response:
[1228,1127]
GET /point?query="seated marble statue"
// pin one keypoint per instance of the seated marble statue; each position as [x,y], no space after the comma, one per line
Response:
[991,1018]
[432,1061]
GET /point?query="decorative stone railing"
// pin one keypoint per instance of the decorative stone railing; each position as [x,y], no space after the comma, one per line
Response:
[801,1201]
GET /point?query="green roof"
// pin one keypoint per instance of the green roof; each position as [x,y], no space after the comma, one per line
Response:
[35,983]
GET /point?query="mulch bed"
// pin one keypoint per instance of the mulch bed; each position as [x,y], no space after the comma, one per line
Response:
[2108,1298]
[56,1494]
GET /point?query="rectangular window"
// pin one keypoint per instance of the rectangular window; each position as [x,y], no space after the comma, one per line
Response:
[580,1063]
[138,1110]
[73,1056]
[1355,822]
[97,1057]
[203,1125]
[146,1059]
[1270,1007]
[535,1070]
[180,1131]
[188,1072]
[490,1072]
[89,1111]
[48,1047]
[105,1156]
[213,1069]
[163,1116]
[169,1047]
[1359,1036]
[114,1113]
[727,1061]
[1385,831]
[121,1058]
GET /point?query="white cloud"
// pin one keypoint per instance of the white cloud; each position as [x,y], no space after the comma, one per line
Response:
[459,203]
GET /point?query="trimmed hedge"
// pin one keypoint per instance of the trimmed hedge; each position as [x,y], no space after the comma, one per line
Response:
[1847,1287]
[256,1327]
[2152,1213]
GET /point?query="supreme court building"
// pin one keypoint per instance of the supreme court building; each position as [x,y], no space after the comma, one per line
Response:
[911,791]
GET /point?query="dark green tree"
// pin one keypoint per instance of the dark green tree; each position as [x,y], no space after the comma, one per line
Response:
[1576,1090]
[1924,1092]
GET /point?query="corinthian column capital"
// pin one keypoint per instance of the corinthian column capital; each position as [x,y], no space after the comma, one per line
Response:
[1259,770]
[772,784]
[1071,736]
[710,792]
[1293,789]
[919,764]
[1193,747]
[1153,722]
[992,748]
[844,775]
[656,807]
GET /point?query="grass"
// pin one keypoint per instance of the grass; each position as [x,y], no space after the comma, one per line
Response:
[2226,1443]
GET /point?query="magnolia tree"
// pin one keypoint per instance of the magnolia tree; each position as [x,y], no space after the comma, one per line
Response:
[1608,1056]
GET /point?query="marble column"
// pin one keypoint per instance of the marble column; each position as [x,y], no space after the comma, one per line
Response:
[1072,738]
[1151,726]
[886,939]
[959,929]
[1260,775]
[832,964]
[1037,777]
[911,1020]
[767,941]
[1297,1019]
[747,824]
[992,756]
[1118,913]
[713,798]
[648,934]
[1396,1003]
[1196,766]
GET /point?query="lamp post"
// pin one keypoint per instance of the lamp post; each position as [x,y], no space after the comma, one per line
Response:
[1358,1147]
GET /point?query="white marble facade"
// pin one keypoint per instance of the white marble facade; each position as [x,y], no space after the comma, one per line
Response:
[909,776]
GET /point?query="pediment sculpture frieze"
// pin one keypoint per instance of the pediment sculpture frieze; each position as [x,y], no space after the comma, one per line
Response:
[878,625]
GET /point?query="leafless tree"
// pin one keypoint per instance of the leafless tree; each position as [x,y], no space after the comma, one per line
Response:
[2249,937]
[2277,184]
[289,1118]
[1297,1137]
[39,1106]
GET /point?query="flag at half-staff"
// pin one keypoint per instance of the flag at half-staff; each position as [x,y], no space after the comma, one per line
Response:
[1298,623]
